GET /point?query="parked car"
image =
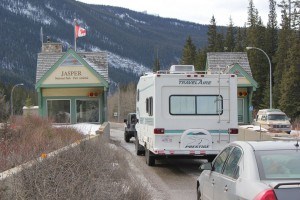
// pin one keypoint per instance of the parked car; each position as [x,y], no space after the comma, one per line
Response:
[273,119]
[265,170]
[130,123]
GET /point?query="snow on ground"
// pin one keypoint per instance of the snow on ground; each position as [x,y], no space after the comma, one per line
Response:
[84,128]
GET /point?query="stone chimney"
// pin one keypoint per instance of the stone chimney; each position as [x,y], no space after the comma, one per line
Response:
[51,47]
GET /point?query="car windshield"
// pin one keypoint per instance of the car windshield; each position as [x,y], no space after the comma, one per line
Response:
[277,117]
[279,164]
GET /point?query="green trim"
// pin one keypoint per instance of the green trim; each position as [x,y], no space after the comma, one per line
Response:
[244,73]
[72,85]
[61,60]
[40,102]
[206,64]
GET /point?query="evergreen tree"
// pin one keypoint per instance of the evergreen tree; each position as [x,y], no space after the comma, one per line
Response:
[219,43]
[252,14]
[289,101]
[271,43]
[188,53]
[290,84]
[281,53]
[258,61]
[212,35]
[240,42]
[28,102]
[272,30]
[201,60]
[230,37]
[156,66]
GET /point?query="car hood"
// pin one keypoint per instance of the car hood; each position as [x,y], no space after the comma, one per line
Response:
[278,122]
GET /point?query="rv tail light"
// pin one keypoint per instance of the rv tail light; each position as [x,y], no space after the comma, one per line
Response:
[159,131]
[233,131]
[189,75]
[195,75]
[266,195]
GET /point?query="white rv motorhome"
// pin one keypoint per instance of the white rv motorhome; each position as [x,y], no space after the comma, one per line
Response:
[182,112]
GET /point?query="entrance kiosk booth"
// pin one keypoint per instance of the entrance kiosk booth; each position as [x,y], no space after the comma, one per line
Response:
[72,87]
[236,63]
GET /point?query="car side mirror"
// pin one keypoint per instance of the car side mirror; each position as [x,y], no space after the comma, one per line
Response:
[137,120]
[125,121]
[206,166]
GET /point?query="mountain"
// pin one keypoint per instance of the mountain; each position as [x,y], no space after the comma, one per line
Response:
[132,39]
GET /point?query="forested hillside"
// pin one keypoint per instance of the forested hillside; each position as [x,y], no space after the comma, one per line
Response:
[131,38]
[279,40]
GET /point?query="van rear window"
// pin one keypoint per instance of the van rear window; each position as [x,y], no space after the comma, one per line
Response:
[196,105]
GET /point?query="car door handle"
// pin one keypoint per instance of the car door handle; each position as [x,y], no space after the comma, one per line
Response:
[225,188]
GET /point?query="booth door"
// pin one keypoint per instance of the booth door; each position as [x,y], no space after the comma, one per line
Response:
[87,111]
[241,111]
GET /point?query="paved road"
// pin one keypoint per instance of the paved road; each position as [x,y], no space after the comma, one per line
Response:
[173,179]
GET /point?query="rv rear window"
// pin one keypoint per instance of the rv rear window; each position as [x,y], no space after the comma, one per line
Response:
[195,105]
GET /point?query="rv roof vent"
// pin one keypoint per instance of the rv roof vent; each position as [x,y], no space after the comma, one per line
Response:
[179,69]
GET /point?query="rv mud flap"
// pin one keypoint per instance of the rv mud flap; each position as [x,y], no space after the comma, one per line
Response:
[196,139]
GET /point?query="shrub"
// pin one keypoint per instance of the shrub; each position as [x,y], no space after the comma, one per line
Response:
[28,137]
[91,170]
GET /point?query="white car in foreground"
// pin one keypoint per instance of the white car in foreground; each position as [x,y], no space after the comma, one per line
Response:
[266,170]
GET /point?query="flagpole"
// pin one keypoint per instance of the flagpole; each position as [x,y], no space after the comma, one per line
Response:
[41,35]
[74,34]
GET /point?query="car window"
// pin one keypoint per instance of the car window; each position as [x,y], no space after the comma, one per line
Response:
[220,160]
[231,167]
[278,164]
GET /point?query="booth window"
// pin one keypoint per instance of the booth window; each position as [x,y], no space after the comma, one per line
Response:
[87,110]
[59,110]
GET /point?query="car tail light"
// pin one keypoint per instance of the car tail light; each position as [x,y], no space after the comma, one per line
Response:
[266,195]
[233,131]
[159,131]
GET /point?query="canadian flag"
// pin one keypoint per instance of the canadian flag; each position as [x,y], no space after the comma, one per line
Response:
[79,32]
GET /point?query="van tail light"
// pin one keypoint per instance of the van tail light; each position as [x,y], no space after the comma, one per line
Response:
[266,195]
[159,131]
[233,131]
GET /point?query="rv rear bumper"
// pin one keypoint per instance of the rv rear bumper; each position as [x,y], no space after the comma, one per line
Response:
[184,153]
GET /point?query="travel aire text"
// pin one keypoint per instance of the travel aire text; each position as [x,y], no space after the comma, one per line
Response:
[193,82]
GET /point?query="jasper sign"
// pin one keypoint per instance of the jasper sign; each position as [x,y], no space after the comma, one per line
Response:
[71,75]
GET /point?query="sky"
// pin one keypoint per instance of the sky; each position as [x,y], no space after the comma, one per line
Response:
[198,11]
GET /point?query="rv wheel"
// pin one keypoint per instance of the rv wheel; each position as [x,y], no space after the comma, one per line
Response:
[126,137]
[139,149]
[150,159]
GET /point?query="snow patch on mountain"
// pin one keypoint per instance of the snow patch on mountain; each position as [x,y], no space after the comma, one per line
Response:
[28,10]
[126,64]
[125,15]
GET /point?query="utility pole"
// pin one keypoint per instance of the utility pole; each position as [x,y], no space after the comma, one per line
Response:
[119,102]
[11,98]
[270,66]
